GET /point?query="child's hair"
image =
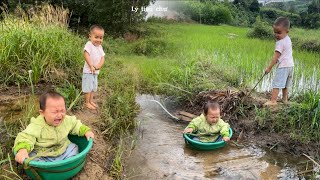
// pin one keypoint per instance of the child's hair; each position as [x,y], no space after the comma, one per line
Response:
[210,105]
[283,22]
[49,94]
[95,26]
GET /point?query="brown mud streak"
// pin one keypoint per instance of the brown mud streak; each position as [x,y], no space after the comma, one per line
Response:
[244,119]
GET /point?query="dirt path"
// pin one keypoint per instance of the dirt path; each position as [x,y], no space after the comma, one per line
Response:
[97,159]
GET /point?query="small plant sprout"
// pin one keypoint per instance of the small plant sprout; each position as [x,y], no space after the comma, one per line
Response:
[30,79]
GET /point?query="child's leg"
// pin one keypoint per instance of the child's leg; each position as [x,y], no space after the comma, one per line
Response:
[87,97]
[274,96]
[285,95]
[196,138]
[278,82]
[219,138]
[95,88]
[91,100]
[87,87]
[285,91]
[71,150]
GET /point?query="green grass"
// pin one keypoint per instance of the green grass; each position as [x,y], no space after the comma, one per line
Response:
[198,55]
[204,57]
[119,108]
[48,50]
[176,59]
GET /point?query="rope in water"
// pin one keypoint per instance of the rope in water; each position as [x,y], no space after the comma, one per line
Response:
[172,116]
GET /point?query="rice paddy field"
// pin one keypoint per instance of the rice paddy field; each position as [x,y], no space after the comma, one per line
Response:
[193,57]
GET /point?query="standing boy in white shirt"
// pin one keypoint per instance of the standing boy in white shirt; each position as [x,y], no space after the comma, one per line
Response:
[94,59]
[284,60]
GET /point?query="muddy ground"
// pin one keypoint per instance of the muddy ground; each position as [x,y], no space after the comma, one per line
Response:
[243,119]
[96,165]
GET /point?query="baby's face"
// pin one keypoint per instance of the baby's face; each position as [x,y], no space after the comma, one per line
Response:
[213,116]
[279,32]
[96,36]
[55,111]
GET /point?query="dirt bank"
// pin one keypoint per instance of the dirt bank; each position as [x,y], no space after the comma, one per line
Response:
[96,165]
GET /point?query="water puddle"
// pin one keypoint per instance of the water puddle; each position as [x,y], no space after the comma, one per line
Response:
[161,153]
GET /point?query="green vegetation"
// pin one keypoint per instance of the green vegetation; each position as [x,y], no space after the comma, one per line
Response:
[45,47]
[49,49]
[300,119]
[175,59]
[261,30]
[203,52]
[271,14]
[207,12]
[219,57]
[119,109]
[115,16]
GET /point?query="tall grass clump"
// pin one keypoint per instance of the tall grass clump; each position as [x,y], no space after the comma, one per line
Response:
[301,119]
[38,39]
[261,30]
[119,109]
[311,44]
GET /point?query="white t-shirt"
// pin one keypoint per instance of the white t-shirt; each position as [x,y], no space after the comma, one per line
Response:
[284,47]
[95,54]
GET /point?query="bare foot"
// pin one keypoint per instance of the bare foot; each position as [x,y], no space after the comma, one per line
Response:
[270,103]
[90,106]
[94,104]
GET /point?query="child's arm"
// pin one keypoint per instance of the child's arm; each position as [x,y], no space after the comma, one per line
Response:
[24,144]
[79,128]
[100,64]
[274,60]
[224,130]
[192,126]
[187,130]
[22,155]
[87,58]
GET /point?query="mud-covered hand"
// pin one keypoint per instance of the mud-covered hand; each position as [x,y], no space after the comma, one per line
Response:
[188,130]
[226,139]
[89,135]
[22,155]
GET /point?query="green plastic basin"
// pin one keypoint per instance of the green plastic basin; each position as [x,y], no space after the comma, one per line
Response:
[207,146]
[63,169]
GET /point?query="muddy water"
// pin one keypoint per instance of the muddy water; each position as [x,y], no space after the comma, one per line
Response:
[161,153]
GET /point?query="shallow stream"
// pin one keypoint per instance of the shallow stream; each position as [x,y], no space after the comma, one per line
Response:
[160,153]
